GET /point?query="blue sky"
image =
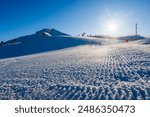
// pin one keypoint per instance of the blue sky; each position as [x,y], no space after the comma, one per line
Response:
[22,17]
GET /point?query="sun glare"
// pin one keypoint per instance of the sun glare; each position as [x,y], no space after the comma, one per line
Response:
[112,27]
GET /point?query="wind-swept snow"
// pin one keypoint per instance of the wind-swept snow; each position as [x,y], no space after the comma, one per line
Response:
[116,71]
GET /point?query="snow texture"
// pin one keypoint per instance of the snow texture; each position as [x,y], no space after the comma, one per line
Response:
[104,71]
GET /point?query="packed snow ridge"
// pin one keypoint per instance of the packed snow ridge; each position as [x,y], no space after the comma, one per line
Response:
[97,69]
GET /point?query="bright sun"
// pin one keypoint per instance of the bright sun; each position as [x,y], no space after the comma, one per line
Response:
[112,27]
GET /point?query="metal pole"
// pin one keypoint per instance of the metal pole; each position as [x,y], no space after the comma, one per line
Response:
[136,29]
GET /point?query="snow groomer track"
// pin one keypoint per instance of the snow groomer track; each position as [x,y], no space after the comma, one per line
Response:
[86,72]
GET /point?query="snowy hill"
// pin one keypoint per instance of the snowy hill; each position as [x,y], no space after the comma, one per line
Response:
[131,38]
[91,68]
[50,32]
[143,41]
[52,39]
[41,41]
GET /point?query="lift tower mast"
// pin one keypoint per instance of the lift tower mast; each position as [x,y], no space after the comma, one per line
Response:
[136,29]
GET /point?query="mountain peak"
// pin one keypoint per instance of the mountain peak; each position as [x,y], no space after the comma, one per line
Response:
[50,32]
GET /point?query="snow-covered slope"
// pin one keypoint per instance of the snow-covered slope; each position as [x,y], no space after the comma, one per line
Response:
[92,68]
[50,32]
[143,41]
[42,41]
[132,38]
[51,39]
[118,71]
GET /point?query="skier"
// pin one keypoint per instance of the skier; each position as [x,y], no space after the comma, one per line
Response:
[126,40]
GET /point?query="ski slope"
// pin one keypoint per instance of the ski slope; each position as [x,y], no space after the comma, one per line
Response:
[107,71]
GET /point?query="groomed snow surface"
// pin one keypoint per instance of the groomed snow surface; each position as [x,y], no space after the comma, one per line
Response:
[85,72]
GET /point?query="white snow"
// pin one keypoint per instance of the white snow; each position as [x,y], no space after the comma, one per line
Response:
[100,69]
[51,32]
[43,41]
[142,41]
